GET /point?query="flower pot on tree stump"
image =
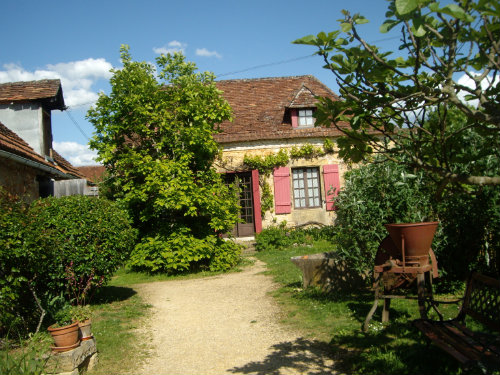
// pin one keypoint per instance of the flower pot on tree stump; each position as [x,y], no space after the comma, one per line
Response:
[66,337]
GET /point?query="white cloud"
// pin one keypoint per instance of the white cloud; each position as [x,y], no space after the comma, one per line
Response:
[77,77]
[171,47]
[465,80]
[206,53]
[77,154]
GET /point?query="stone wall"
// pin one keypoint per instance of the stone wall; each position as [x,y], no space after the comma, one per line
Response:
[19,179]
[234,154]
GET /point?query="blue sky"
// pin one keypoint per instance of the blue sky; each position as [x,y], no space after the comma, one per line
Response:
[79,41]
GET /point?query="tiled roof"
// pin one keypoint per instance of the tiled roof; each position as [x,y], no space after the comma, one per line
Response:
[93,173]
[12,143]
[65,166]
[48,91]
[259,108]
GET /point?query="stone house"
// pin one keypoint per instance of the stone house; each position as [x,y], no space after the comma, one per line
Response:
[273,114]
[29,166]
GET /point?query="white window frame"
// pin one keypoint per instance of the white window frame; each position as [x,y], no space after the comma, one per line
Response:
[306,184]
[305,118]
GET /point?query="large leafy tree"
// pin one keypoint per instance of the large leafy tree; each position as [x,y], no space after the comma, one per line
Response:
[154,134]
[448,59]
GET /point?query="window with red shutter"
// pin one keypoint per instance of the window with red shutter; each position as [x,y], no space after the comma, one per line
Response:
[331,181]
[282,198]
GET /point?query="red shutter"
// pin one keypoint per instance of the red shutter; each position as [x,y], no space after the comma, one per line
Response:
[331,180]
[256,201]
[295,118]
[282,199]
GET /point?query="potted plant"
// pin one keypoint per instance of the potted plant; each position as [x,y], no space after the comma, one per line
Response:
[64,332]
[82,315]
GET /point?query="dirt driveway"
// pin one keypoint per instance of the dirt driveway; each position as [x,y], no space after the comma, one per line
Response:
[225,324]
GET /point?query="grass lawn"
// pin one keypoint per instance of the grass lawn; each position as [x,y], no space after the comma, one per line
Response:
[335,320]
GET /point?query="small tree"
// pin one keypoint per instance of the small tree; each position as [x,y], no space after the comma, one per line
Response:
[154,134]
[442,48]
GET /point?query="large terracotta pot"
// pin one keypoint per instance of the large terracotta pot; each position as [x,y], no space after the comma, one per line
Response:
[415,237]
[66,336]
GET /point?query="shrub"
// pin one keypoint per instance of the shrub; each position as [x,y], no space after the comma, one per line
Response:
[470,233]
[272,238]
[180,251]
[373,195]
[92,236]
[59,250]
[279,237]
[13,291]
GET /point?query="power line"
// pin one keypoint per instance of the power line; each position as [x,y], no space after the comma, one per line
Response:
[76,124]
[265,65]
[291,60]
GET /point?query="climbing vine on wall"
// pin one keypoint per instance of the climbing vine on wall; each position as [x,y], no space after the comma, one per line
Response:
[265,164]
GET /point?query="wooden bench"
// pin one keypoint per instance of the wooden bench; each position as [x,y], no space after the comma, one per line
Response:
[481,303]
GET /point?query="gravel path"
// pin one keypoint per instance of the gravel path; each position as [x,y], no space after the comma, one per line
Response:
[225,324]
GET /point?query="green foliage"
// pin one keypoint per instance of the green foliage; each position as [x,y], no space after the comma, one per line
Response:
[63,316]
[279,237]
[28,359]
[470,237]
[180,251]
[266,198]
[448,58]
[375,194]
[266,164]
[12,278]
[81,313]
[306,151]
[92,236]
[154,133]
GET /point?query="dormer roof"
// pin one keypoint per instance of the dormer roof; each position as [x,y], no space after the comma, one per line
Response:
[304,98]
[47,91]
[261,108]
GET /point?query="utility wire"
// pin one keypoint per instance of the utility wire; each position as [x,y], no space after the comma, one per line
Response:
[76,124]
[265,65]
[289,60]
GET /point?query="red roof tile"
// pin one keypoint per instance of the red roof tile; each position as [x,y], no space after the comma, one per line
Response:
[11,142]
[93,173]
[259,108]
[47,90]
[65,166]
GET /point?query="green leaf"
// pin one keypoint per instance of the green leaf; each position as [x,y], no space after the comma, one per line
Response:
[308,40]
[387,26]
[406,6]
[346,27]
[361,20]
[457,12]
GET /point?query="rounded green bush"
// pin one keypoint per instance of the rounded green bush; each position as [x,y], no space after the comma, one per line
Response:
[76,237]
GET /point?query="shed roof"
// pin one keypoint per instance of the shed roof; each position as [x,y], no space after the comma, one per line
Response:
[47,91]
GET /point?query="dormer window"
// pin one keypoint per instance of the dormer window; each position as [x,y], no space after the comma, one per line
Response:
[306,119]
[302,118]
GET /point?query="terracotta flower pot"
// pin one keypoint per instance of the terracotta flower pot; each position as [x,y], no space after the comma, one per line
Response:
[416,238]
[85,329]
[66,336]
